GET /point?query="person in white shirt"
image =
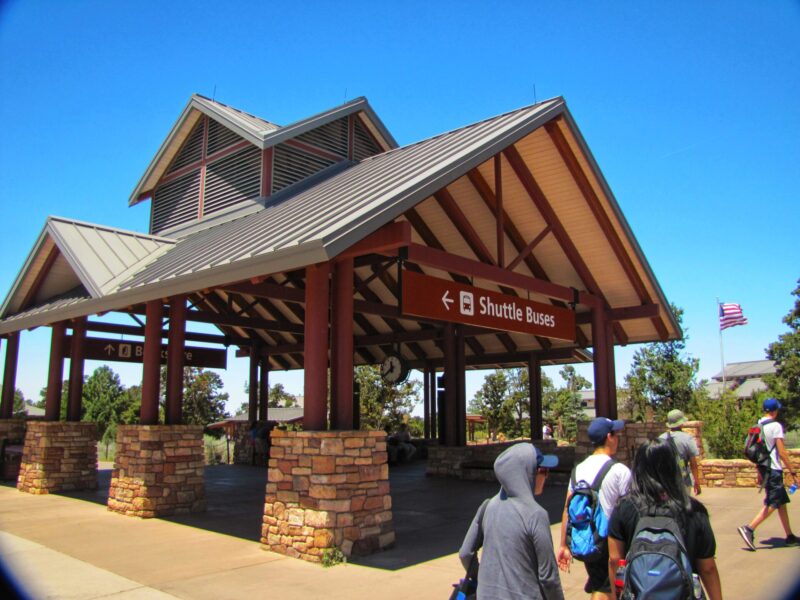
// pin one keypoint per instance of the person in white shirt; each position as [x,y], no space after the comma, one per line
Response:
[776,497]
[603,435]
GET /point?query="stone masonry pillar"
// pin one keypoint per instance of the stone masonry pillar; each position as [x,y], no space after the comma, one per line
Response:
[327,489]
[158,471]
[58,456]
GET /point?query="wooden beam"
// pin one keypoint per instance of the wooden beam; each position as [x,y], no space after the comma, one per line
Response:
[30,296]
[389,237]
[646,311]
[500,213]
[593,201]
[464,226]
[528,248]
[559,231]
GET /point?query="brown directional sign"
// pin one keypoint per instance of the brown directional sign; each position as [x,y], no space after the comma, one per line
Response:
[123,351]
[435,298]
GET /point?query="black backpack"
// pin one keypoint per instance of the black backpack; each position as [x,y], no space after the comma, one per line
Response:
[657,564]
[755,446]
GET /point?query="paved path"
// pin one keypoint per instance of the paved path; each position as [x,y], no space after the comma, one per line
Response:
[67,547]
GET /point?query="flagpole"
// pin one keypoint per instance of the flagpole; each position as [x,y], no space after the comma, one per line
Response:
[721,351]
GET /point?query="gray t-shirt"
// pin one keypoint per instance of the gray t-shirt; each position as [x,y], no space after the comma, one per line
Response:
[687,449]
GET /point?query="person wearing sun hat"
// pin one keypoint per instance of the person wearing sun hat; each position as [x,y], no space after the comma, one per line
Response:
[517,561]
[685,447]
[776,497]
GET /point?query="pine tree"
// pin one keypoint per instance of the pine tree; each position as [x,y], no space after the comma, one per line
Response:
[785,383]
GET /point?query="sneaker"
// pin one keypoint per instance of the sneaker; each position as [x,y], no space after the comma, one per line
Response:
[747,536]
[792,540]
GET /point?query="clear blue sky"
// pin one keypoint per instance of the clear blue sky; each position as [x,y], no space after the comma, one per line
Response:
[690,108]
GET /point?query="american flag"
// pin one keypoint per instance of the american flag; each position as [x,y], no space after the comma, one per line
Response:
[730,315]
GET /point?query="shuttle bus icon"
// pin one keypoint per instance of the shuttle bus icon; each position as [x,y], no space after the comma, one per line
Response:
[467,303]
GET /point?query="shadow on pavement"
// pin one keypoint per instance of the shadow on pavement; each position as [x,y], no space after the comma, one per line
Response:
[431,514]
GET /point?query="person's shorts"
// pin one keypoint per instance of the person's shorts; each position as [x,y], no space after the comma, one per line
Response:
[598,574]
[776,493]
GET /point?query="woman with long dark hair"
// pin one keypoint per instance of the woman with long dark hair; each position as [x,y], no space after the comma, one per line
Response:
[657,486]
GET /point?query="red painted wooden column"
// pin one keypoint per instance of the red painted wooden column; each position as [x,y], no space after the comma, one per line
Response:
[151,369]
[450,415]
[10,375]
[461,387]
[612,374]
[342,346]
[426,402]
[315,347]
[175,346]
[263,391]
[252,397]
[76,362]
[52,404]
[535,391]
[600,346]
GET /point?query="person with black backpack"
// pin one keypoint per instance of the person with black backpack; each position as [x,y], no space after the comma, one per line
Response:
[766,448]
[663,534]
[595,486]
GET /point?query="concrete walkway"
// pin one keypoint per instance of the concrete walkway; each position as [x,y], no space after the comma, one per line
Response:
[71,547]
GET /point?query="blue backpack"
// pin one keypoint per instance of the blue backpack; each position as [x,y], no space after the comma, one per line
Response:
[657,565]
[587,525]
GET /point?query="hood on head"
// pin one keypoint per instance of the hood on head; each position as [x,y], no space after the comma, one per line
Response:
[515,469]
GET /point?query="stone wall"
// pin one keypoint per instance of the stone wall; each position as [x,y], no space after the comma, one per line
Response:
[158,471]
[739,472]
[474,461]
[58,456]
[327,489]
[630,438]
[12,429]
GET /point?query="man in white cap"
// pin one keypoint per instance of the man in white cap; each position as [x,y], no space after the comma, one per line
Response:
[685,448]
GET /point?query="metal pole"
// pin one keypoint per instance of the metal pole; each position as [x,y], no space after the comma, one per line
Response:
[721,352]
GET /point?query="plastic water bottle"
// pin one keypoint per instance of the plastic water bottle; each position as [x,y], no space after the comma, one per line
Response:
[697,587]
[619,579]
[793,488]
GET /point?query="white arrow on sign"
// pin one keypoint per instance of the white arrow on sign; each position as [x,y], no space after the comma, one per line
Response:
[447,301]
[109,349]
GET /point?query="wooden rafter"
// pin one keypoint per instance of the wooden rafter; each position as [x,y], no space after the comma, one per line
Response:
[541,202]
[614,240]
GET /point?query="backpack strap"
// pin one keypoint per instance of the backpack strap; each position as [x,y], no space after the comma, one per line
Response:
[601,474]
[761,435]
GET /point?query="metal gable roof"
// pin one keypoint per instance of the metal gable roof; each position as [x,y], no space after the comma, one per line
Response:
[344,208]
[95,256]
[257,131]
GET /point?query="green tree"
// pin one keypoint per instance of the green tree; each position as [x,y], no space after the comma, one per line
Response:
[133,405]
[562,406]
[203,400]
[278,396]
[785,383]
[662,377]
[19,404]
[384,405]
[726,421]
[519,404]
[490,401]
[104,399]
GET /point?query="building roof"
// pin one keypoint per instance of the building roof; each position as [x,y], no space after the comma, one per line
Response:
[257,131]
[555,202]
[81,261]
[750,368]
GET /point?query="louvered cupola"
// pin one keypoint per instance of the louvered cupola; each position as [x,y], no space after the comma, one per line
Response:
[219,161]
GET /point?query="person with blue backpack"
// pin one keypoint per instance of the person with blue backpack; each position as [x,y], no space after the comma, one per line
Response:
[595,486]
[662,533]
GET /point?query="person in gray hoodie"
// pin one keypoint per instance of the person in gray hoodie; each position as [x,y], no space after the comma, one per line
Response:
[518,560]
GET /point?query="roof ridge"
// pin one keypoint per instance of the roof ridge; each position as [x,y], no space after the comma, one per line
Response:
[239,110]
[464,127]
[110,228]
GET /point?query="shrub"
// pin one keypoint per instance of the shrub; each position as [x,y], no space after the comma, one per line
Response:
[332,557]
[725,423]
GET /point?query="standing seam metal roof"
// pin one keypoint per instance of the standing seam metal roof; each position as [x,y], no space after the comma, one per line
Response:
[346,204]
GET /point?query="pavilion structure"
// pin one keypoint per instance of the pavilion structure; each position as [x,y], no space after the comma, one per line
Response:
[320,246]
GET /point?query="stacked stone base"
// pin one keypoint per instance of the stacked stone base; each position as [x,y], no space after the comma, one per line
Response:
[12,433]
[327,489]
[58,456]
[740,472]
[12,429]
[158,471]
